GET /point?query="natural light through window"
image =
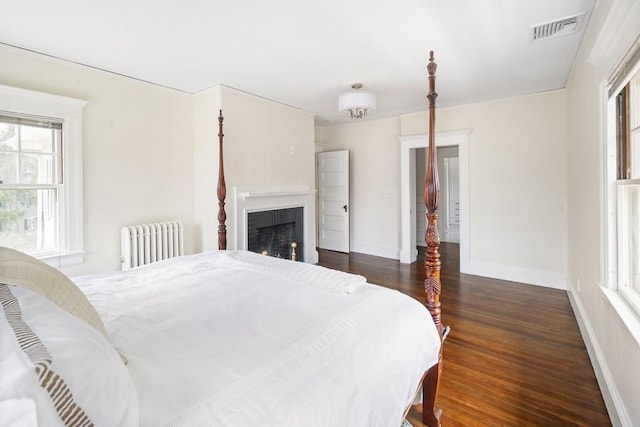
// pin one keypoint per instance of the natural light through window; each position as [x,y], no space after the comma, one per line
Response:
[41,175]
[30,183]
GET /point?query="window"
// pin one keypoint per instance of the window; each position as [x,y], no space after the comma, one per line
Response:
[40,175]
[30,182]
[623,173]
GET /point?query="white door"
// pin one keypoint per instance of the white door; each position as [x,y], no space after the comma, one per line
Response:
[452,197]
[333,197]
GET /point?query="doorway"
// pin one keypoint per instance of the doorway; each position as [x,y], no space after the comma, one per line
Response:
[449,207]
[408,146]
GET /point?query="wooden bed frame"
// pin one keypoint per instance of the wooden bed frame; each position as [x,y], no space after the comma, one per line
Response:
[432,265]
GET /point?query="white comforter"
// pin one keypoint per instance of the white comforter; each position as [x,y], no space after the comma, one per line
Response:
[237,339]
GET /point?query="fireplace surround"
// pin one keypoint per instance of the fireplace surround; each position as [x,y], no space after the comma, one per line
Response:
[259,199]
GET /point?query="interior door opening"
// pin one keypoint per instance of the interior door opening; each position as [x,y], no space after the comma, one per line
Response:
[449,207]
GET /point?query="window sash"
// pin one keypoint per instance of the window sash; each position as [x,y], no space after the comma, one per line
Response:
[37,230]
[633,117]
[632,298]
[31,220]
[622,136]
[22,158]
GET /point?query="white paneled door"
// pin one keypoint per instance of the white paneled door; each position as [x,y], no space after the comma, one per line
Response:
[333,189]
[452,198]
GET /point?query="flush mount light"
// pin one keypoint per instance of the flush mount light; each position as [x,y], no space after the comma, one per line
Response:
[356,104]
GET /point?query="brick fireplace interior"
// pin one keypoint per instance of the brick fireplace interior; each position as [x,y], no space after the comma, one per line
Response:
[273,231]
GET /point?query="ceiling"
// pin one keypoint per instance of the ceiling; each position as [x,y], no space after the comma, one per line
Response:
[305,53]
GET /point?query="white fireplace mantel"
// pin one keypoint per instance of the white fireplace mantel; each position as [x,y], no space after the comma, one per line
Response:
[257,199]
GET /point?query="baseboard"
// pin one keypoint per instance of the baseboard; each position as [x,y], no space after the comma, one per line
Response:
[515,274]
[496,271]
[615,406]
[375,250]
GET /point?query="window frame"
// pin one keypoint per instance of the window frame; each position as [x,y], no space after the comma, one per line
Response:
[69,111]
[617,174]
[622,302]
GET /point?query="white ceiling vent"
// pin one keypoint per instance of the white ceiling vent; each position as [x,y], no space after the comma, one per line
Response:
[559,27]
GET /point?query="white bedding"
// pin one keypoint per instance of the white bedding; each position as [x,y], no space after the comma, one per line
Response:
[237,339]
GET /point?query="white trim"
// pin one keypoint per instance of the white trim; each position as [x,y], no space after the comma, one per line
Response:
[460,138]
[69,110]
[626,313]
[615,405]
[375,250]
[517,274]
[255,199]
[608,252]
[30,102]
[59,261]
[618,32]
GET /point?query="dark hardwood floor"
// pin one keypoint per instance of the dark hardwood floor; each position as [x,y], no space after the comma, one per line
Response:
[514,357]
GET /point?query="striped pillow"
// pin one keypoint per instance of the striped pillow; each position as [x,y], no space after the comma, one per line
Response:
[57,361]
[20,269]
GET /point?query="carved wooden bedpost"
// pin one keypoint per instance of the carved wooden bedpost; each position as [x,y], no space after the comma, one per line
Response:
[222,191]
[431,414]
[431,199]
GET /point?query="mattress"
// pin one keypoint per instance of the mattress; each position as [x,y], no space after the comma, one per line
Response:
[226,338]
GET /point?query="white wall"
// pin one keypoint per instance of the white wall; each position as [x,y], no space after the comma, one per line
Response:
[374,183]
[517,184]
[206,109]
[151,153]
[535,165]
[517,174]
[617,354]
[266,144]
[137,149]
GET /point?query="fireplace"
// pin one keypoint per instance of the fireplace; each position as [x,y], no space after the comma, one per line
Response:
[281,211]
[277,233]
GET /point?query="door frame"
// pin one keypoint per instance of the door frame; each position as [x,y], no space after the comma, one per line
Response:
[408,144]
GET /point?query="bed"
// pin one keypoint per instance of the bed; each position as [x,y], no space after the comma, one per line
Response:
[219,338]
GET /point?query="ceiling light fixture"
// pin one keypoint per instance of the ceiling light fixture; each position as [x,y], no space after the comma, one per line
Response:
[357,104]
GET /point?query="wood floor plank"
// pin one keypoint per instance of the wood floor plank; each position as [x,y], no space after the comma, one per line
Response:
[514,357]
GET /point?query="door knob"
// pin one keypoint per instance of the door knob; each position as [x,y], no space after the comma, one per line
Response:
[345,208]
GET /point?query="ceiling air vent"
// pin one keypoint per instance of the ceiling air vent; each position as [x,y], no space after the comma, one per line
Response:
[559,27]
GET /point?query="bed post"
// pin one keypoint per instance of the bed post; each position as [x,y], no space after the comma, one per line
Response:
[222,191]
[432,285]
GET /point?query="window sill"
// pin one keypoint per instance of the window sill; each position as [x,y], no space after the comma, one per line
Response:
[628,316]
[63,260]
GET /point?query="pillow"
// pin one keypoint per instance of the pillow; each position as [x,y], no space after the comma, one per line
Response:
[57,369]
[18,413]
[20,269]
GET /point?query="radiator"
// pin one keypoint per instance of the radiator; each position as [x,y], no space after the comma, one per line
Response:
[147,243]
